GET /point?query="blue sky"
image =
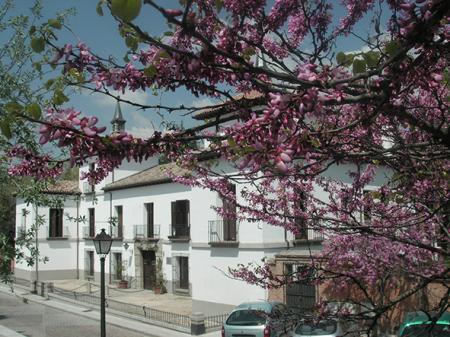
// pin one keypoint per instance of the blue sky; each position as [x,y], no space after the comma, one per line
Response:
[101,34]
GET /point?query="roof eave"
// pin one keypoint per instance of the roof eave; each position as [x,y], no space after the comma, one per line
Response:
[138,184]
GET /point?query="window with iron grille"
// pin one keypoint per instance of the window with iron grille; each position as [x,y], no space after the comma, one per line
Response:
[180,219]
[91,222]
[300,290]
[56,223]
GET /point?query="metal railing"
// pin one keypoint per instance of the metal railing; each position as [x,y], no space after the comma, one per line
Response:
[117,232]
[309,234]
[88,274]
[146,231]
[179,231]
[21,231]
[88,233]
[164,318]
[222,230]
[215,321]
[63,234]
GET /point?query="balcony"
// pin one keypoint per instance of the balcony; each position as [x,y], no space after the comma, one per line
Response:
[117,232]
[179,233]
[88,232]
[308,235]
[146,232]
[21,232]
[61,233]
[223,233]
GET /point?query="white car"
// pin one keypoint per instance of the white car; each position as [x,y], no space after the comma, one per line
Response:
[324,328]
[257,319]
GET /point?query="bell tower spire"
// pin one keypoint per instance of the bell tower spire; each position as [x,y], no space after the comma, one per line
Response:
[118,122]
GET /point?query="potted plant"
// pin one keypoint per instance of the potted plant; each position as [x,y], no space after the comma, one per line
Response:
[123,283]
[160,281]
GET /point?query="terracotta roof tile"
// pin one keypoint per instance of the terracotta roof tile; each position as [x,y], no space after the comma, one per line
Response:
[212,112]
[63,187]
[152,176]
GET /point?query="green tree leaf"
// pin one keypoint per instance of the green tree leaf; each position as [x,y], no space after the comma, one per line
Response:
[372,58]
[59,98]
[55,23]
[37,44]
[99,8]
[150,71]
[127,10]
[34,110]
[131,42]
[219,5]
[392,48]
[359,66]
[341,58]
[5,127]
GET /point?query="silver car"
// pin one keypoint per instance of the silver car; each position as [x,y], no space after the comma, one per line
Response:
[256,319]
[324,328]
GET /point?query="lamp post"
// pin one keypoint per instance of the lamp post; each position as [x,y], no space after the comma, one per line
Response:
[102,243]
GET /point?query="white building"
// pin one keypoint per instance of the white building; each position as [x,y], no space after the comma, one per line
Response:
[151,220]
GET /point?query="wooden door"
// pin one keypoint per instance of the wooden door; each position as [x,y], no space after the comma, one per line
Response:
[149,268]
[184,272]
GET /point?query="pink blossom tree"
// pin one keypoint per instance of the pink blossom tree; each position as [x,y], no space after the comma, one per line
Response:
[291,106]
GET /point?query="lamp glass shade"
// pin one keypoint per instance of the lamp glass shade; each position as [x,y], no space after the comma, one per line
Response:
[102,243]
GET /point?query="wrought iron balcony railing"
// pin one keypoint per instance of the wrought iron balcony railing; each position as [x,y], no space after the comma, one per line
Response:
[142,232]
[117,232]
[88,232]
[309,234]
[179,232]
[57,232]
[222,231]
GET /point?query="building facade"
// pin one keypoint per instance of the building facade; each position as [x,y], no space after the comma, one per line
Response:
[160,229]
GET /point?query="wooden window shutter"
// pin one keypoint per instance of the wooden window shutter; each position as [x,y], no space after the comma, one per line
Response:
[174,212]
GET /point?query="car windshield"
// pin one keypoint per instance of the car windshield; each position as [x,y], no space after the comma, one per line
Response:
[321,328]
[247,317]
[427,330]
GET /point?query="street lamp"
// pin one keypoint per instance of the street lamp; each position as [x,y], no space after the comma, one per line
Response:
[102,243]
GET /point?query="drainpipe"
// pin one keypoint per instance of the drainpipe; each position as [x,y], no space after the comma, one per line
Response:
[78,236]
[36,232]
[110,230]
[286,239]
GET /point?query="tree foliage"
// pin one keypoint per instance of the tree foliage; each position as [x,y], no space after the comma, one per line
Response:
[292,108]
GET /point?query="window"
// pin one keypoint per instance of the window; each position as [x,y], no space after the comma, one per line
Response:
[91,222]
[183,272]
[23,220]
[91,170]
[300,292]
[118,231]
[300,204]
[149,220]
[56,223]
[180,218]
[229,221]
[89,264]
[117,266]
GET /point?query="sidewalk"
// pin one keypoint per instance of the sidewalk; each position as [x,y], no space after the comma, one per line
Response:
[166,302]
[131,324]
[7,332]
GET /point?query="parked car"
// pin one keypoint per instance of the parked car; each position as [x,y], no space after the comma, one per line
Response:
[324,328]
[421,324]
[257,319]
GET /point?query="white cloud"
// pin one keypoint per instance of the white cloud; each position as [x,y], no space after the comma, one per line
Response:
[201,102]
[140,125]
[138,96]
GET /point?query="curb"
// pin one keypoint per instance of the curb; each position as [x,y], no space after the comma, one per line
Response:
[112,319]
[7,332]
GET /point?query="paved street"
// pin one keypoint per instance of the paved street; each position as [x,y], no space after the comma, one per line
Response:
[35,320]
